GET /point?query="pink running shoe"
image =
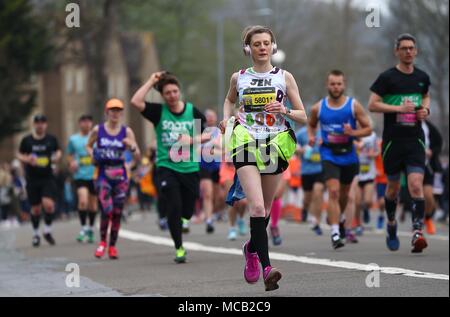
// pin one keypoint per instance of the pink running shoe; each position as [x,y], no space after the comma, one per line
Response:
[251,271]
[271,278]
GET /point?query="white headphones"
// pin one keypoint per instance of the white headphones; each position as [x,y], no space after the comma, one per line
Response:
[247,49]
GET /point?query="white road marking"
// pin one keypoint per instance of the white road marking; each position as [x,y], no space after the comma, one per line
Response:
[141,237]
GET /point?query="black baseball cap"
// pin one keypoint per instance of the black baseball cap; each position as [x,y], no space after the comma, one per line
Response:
[40,118]
[84,117]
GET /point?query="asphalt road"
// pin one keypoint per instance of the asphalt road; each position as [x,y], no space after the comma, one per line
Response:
[309,265]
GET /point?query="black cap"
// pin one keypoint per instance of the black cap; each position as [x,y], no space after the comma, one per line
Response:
[86,117]
[40,118]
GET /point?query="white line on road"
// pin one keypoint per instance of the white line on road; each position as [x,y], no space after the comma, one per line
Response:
[135,236]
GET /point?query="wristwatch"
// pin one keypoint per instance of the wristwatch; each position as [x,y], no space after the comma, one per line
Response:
[288,111]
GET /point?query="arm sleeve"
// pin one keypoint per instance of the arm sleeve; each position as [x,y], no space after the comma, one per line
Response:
[379,86]
[24,148]
[199,115]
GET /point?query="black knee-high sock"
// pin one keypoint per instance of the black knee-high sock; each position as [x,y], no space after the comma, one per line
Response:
[259,241]
[391,207]
[35,220]
[104,223]
[83,215]
[48,219]
[418,209]
[92,216]
[115,227]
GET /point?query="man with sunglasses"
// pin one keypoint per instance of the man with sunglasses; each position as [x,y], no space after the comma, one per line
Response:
[38,152]
[402,95]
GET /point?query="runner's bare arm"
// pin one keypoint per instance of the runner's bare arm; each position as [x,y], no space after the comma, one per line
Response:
[138,100]
[92,140]
[130,142]
[313,122]
[230,101]
[364,125]
[376,104]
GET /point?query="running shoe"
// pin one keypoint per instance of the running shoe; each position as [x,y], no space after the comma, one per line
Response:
[113,253]
[350,237]
[81,236]
[242,227]
[359,231]
[336,241]
[49,238]
[163,225]
[317,230]
[429,225]
[101,249]
[251,270]
[271,278]
[90,236]
[232,234]
[392,241]
[276,237]
[380,222]
[209,227]
[418,242]
[180,256]
[36,241]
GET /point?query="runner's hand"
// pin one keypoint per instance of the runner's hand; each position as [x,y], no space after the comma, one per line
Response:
[155,77]
[422,114]
[408,107]
[223,126]
[73,166]
[32,160]
[348,130]
[275,107]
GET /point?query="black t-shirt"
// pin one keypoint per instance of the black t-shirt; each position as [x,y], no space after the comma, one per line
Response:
[394,87]
[153,112]
[43,150]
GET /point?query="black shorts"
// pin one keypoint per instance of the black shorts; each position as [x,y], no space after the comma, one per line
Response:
[166,178]
[80,183]
[345,174]
[428,178]
[308,181]
[212,175]
[363,184]
[405,155]
[39,188]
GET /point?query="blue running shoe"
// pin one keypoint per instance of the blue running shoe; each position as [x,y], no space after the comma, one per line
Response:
[380,222]
[392,241]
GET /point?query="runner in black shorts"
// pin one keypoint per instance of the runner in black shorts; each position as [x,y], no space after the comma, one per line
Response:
[38,151]
[402,94]
[342,119]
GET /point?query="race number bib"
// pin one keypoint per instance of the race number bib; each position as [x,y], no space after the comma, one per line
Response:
[338,139]
[406,119]
[364,168]
[315,158]
[85,160]
[256,98]
[42,161]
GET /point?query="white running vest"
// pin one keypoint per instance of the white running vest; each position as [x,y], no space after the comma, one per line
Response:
[255,91]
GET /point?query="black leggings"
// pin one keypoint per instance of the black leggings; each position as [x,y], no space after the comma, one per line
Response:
[177,195]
